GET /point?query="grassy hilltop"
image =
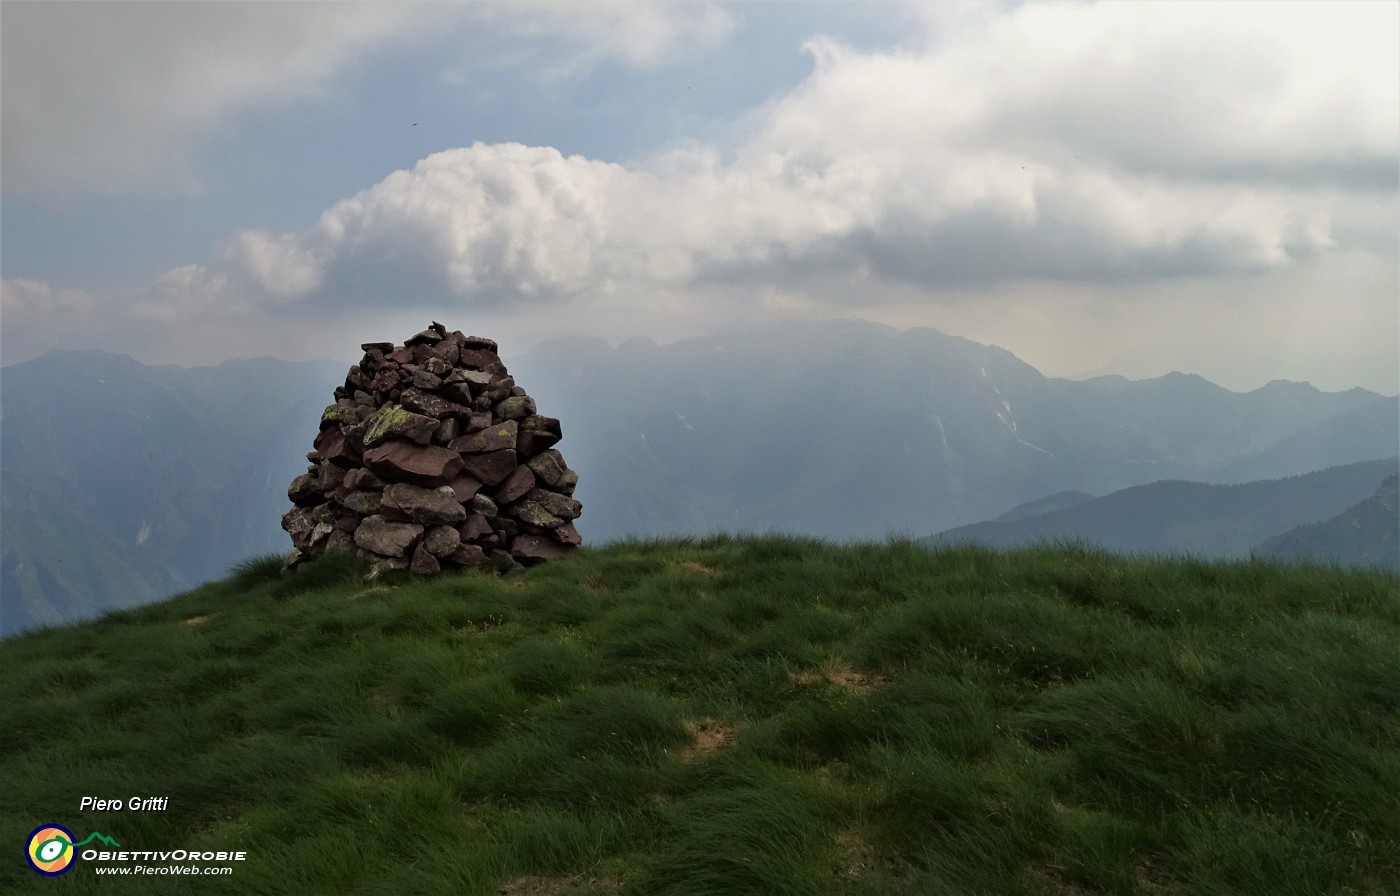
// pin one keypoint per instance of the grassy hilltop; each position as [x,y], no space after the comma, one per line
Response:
[762,716]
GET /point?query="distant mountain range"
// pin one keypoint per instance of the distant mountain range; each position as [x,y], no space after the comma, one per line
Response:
[1365,534]
[1215,521]
[120,483]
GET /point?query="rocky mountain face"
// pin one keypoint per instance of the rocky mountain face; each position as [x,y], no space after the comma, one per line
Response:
[433,457]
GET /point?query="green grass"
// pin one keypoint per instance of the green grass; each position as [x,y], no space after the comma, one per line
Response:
[760,716]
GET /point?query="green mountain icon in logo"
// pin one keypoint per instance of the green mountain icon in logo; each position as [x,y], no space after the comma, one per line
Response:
[96,835]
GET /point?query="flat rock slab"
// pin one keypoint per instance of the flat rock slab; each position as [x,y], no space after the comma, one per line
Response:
[490,468]
[426,465]
[386,537]
[430,507]
[500,437]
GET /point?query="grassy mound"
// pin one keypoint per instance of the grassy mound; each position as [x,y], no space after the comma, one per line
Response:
[760,716]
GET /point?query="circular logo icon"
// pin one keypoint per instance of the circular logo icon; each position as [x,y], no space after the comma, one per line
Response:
[50,849]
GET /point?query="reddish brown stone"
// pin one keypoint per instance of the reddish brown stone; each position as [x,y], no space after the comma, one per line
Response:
[536,434]
[566,534]
[430,336]
[489,468]
[425,465]
[424,563]
[332,445]
[385,380]
[536,547]
[465,487]
[360,479]
[467,555]
[458,392]
[475,527]
[515,485]
[481,359]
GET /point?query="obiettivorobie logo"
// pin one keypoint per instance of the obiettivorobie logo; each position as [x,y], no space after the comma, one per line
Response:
[51,850]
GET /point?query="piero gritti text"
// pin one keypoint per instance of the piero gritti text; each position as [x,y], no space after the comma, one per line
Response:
[116,804]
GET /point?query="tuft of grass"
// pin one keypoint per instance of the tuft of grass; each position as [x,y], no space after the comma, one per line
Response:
[731,715]
[255,571]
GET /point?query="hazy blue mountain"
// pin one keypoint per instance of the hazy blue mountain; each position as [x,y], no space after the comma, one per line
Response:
[853,430]
[123,483]
[1171,517]
[1371,425]
[1365,534]
[1047,504]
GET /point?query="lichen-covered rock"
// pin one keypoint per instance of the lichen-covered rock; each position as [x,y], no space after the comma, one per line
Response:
[386,537]
[421,505]
[442,540]
[432,457]
[548,466]
[499,437]
[393,420]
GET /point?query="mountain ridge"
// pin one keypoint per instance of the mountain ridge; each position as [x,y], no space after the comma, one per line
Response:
[1176,516]
[844,430]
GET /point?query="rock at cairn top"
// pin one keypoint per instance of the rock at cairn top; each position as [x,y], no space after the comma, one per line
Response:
[433,458]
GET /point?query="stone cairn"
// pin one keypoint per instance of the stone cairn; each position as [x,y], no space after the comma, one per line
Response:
[431,458]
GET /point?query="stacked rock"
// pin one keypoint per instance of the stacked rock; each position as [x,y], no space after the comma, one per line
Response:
[432,457]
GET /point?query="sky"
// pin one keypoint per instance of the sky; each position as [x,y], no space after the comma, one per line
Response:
[1122,187]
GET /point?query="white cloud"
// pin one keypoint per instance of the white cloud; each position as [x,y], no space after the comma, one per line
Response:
[115,97]
[1126,150]
[1060,141]
[22,299]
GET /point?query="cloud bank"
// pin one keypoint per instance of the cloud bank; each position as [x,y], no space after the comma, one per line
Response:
[118,97]
[1058,141]
[1222,161]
